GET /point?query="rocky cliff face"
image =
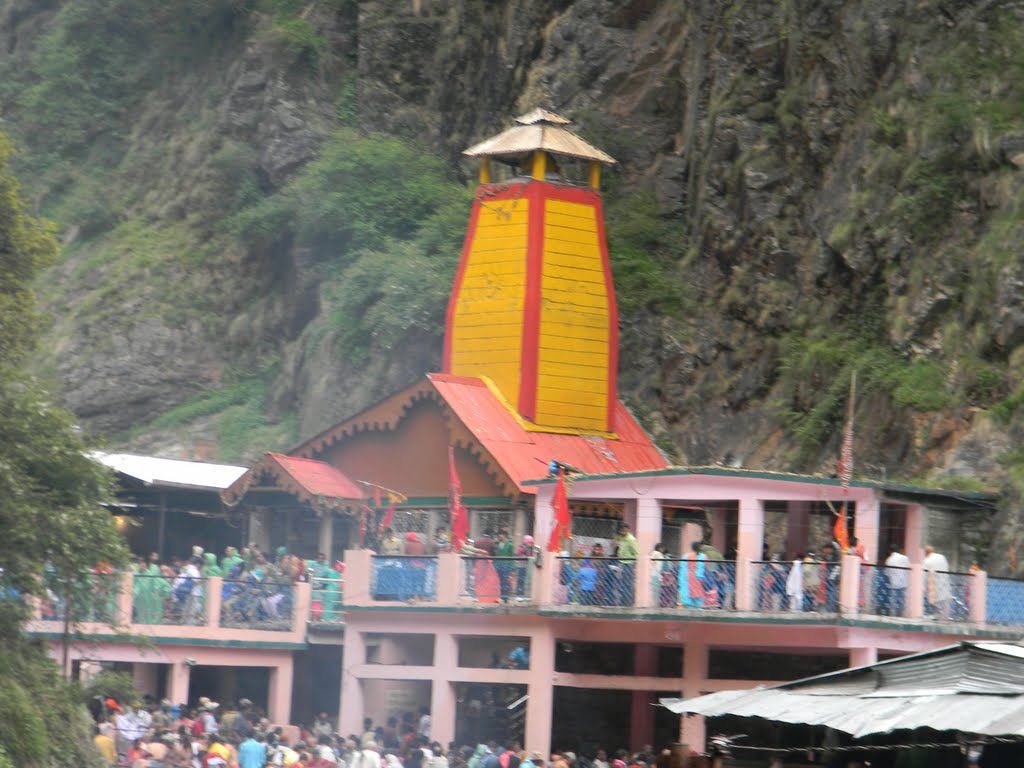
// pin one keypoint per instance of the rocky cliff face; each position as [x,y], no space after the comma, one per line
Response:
[806,188]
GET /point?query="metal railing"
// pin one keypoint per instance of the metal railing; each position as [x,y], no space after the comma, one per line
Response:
[595,581]
[1004,602]
[100,605]
[496,579]
[403,577]
[176,600]
[947,595]
[253,604]
[326,599]
[774,591]
[882,590]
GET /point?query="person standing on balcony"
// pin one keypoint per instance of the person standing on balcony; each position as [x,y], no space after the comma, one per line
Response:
[504,551]
[831,573]
[811,576]
[795,584]
[525,550]
[691,577]
[628,550]
[938,594]
[897,572]
[391,545]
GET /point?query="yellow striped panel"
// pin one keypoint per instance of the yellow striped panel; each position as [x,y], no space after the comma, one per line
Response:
[572,375]
[487,325]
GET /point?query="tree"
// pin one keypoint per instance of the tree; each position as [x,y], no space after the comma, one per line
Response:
[55,528]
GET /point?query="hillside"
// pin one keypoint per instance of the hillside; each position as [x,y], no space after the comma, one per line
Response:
[262,202]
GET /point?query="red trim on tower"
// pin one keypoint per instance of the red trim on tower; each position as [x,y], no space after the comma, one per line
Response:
[613,316]
[530,348]
[449,319]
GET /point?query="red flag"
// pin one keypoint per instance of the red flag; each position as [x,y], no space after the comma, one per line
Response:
[456,510]
[563,520]
[376,496]
[389,515]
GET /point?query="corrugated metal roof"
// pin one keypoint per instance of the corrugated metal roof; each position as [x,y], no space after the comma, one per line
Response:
[524,454]
[521,139]
[974,688]
[174,473]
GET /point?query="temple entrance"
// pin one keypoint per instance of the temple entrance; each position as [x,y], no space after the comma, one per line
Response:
[586,719]
[490,713]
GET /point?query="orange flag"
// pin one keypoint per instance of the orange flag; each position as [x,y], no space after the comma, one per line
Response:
[563,519]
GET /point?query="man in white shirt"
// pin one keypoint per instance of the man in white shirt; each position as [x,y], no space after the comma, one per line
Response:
[898,573]
[424,724]
[938,594]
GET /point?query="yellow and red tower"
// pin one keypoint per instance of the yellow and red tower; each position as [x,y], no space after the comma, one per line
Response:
[533,306]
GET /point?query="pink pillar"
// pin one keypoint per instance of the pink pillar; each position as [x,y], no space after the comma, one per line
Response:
[302,593]
[448,565]
[865,527]
[540,704]
[695,673]
[279,697]
[543,515]
[750,546]
[545,579]
[123,604]
[648,533]
[214,592]
[978,596]
[442,691]
[913,544]
[145,678]
[718,529]
[641,716]
[350,708]
[745,587]
[177,682]
[358,566]
[849,585]
[915,591]
[863,657]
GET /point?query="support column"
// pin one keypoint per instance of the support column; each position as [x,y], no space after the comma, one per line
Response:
[865,527]
[161,526]
[648,533]
[325,539]
[541,692]
[442,690]
[750,546]
[863,657]
[144,676]
[915,592]
[279,695]
[214,586]
[350,708]
[913,543]
[695,673]
[178,674]
[849,585]
[977,597]
[641,715]
[543,515]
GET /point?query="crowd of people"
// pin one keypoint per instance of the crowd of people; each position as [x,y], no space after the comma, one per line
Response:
[240,736]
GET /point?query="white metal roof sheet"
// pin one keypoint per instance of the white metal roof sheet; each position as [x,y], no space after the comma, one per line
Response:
[177,473]
[520,139]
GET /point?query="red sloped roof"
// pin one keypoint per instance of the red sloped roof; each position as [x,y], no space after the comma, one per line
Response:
[316,482]
[524,454]
[318,477]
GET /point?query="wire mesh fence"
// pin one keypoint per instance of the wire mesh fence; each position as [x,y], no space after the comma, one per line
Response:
[595,581]
[947,595]
[254,604]
[175,600]
[882,590]
[326,599]
[403,577]
[1004,602]
[496,579]
[96,600]
[774,590]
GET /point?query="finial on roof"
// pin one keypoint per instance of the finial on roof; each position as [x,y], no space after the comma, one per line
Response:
[539,115]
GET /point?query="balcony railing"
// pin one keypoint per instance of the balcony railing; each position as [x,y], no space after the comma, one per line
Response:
[183,608]
[404,578]
[496,579]
[693,584]
[325,601]
[595,581]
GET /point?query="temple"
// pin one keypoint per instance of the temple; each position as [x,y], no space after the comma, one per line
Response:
[551,648]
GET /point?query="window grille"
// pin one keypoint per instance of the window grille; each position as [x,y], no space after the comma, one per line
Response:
[492,520]
[416,520]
